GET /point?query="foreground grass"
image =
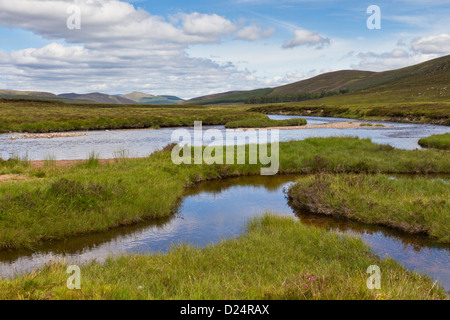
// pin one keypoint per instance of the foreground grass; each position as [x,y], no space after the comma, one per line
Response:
[417,205]
[55,203]
[438,141]
[54,116]
[265,123]
[276,258]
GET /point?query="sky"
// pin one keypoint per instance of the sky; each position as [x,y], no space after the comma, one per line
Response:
[198,47]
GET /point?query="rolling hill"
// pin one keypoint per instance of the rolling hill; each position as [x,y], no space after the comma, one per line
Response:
[97,97]
[424,81]
[143,98]
[16,93]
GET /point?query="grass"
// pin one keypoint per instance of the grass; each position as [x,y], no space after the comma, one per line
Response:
[102,196]
[121,155]
[40,116]
[265,123]
[50,161]
[293,262]
[411,112]
[417,205]
[438,141]
[93,159]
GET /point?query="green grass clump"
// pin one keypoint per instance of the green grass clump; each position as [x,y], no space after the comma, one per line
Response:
[50,161]
[93,159]
[417,205]
[151,188]
[265,123]
[438,141]
[276,258]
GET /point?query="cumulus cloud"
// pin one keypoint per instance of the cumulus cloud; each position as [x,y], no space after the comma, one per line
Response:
[207,25]
[304,37]
[118,48]
[437,44]
[291,77]
[252,33]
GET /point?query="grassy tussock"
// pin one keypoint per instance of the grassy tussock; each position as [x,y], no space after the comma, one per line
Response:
[417,205]
[438,141]
[265,123]
[277,258]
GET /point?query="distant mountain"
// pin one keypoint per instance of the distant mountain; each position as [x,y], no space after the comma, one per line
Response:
[136,96]
[97,97]
[408,83]
[144,98]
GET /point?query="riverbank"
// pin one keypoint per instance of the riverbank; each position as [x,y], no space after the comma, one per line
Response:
[437,141]
[333,125]
[58,202]
[48,135]
[40,116]
[276,258]
[437,113]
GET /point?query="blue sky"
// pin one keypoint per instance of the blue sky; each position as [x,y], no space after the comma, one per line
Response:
[192,48]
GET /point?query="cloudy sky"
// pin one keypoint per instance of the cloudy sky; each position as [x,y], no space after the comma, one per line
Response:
[197,47]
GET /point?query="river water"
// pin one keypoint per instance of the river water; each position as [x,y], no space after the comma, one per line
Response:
[141,143]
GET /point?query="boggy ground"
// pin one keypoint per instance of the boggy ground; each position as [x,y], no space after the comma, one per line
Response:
[58,202]
[276,258]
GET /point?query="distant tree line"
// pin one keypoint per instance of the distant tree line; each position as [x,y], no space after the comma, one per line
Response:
[293,97]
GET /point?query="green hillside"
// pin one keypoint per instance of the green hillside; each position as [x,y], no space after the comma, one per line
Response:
[229,97]
[427,81]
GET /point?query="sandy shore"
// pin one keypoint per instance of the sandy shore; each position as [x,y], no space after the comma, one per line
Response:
[48,135]
[38,164]
[333,125]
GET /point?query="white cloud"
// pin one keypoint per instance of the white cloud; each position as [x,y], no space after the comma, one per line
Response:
[395,59]
[252,33]
[437,44]
[207,25]
[304,37]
